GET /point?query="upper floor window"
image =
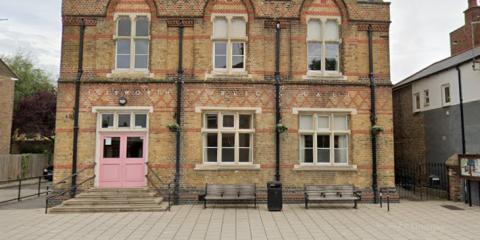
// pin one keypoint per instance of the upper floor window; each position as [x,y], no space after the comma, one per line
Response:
[123,121]
[416,97]
[323,46]
[132,42]
[446,97]
[229,44]
[426,98]
[324,138]
[228,137]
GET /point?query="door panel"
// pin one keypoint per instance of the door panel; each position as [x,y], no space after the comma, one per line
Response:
[122,160]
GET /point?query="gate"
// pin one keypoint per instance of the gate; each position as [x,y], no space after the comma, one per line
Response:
[427,181]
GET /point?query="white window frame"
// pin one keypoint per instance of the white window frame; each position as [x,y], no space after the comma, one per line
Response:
[324,42]
[230,41]
[331,132]
[221,130]
[426,98]
[133,27]
[444,97]
[116,114]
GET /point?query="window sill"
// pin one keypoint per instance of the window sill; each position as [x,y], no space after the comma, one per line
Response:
[116,73]
[349,168]
[240,75]
[227,167]
[313,76]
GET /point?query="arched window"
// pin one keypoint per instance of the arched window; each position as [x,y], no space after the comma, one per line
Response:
[323,46]
[132,42]
[229,43]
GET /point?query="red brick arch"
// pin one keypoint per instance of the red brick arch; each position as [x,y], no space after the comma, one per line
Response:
[340,4]
[210,3]
[112,4]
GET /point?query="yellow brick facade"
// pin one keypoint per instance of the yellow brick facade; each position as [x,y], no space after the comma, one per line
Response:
[101,86]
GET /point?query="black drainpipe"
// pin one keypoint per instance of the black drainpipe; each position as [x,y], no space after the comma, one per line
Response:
[462,126]
[76,109]
[373,114]
[278,116]
[178,113]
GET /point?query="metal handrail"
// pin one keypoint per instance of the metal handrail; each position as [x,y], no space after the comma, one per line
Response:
[19,196]
[72,188]
[159,190]
[64,180]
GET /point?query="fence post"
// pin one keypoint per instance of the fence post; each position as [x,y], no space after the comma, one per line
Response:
[19,189]
[39,186]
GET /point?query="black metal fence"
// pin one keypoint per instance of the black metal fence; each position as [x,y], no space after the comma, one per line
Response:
[428,181]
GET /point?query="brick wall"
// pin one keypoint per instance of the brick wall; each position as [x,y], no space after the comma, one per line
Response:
[461,38]
[7,87]
[255,90]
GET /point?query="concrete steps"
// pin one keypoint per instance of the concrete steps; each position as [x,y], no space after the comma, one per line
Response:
[113,200]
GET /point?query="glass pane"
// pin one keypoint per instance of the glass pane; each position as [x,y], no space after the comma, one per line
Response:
[212,121]
[245,121]
[307,155]
[314,30]
[123,46]
[141,46]
[307,141]
[141,120]
[331,63]
[123,61]
[228,155]
[228,121]
[244,155]
[447,94]
[314,56]
[331,30]
[244,140]
[323,122]
[220,28]
[341,156]
[237,62]
[107,120]
[238,49]
[124,120]
[221,62]
[141,61]
[124,27]
[220,48]
[111,147]
[212,155]
[142,26]
[323,155]
[212,140]
[134,147]
[341,141]
[239,28]
[323,141]
[228,140]
[341,123]
[306,122]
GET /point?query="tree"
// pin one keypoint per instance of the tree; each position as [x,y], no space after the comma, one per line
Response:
[31,79]
[34,115]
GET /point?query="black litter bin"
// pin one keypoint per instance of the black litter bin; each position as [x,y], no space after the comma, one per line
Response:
[274,194]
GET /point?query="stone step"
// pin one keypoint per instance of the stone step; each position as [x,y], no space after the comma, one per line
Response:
[113,201]
[122,190]
[110,208]
[118,195]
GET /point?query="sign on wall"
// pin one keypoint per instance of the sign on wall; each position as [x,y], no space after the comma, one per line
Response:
[470,166]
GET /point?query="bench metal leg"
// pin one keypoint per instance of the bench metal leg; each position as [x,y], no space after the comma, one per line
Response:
[255,203]
[204,203]
[355,204]
[306,203]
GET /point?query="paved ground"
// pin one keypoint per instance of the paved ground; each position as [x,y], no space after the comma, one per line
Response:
[407,220]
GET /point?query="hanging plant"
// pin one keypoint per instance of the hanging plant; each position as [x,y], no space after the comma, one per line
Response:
[173,127]
[377,129]
[281,128]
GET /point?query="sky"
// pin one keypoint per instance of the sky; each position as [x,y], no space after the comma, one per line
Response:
[419,32]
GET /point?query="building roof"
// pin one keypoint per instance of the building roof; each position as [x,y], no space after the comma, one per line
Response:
[6,71]
[441,66]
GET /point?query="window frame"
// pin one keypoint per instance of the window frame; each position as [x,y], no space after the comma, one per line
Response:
[115,126]
[324,42]
[444,97]
[417,105]
[230,40]
[133,39]
[426,98]
[331,132]
[236,130]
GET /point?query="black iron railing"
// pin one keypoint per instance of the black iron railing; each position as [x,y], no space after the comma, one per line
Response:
[71,190]
[160,190]
[20,185]
[427,181]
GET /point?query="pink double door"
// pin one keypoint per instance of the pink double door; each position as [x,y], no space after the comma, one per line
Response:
[122,160]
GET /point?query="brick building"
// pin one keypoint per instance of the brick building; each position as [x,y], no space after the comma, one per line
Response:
[467,36]
[211,66]
[7,90]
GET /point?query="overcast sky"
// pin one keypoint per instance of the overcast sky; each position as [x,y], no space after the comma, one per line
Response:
[419,32]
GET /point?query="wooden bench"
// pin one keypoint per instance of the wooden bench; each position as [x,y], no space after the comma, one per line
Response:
[230,192]
[331,193]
